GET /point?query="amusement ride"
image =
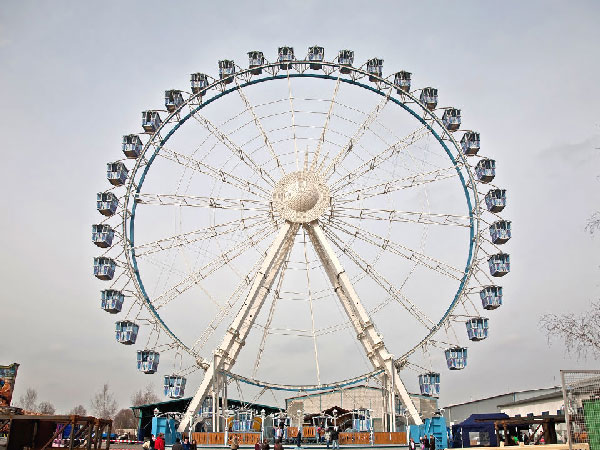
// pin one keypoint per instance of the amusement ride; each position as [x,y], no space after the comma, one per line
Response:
[301,207]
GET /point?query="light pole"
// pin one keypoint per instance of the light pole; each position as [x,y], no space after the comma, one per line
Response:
[335,411]
[262,425]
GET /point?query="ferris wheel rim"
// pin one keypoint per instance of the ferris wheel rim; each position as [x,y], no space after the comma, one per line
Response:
[474,212]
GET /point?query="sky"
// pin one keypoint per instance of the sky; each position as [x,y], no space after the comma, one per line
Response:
[74,76]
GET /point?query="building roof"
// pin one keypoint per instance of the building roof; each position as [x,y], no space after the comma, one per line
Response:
[551,395]
[501,395]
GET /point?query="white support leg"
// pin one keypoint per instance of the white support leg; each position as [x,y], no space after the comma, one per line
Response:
[225,356]
[365,330]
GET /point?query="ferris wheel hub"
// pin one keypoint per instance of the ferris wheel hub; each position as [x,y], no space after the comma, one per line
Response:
[301,197]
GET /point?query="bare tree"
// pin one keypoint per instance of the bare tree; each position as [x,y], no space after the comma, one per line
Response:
[79,410]
[144,396]
[103,403]
[593,223]
[124,419]
[581,333]
[46,408]
[29,401]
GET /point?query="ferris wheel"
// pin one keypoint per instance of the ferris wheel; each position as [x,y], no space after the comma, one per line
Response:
[288,216]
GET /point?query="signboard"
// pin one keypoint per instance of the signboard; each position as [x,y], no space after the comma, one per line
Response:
[8,374]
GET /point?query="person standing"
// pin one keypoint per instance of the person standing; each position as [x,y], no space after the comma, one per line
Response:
[235,442]
[412,444]
[186,444]
[328,437]
[278,445]
[265,445]
[299,439]
[152,442]
[335,438]
[159,444]
[177,445]
[431,442]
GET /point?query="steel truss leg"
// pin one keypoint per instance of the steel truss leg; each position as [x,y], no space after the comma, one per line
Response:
[225,356]
[371,341]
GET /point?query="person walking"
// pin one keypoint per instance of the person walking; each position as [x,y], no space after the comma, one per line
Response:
[328,437]
[299,439]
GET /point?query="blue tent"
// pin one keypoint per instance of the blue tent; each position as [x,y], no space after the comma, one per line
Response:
[478,427]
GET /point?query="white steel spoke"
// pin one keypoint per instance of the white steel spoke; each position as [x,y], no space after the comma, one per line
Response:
[397,249]
[368,336]
[225,356]
[235,149]
[217,174]
[381,281]
[200,234]
[392,215]
[345,151]
[293,120]
[226,308]
[312,315]
[322,138]
[398,184]
[380,158]
[212,266]
[259,126]
[267,326]
[202,202]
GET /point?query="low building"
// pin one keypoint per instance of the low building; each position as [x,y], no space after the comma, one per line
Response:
[359,397]
[459,412]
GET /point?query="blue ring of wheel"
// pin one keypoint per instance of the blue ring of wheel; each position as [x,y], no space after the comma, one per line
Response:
[302,75]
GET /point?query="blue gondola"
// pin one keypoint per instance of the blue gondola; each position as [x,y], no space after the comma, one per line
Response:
[429,96]
[226,70]
[402,81]
[150,121]
[470,143]
[174,386]
[112,301]
[126,332]
[500,231]
[495,200]
[345,60]
[499,264]
[173,99]
[255,60]
[451,119]
[104,268]
[485,170]
[242,421]
[198,81]
[316,55]
[116,173]
[132,146]
[477,328]
[106,203]
[147,361]
[285,55]
[429,383]
[362,420]
[491,297]
[456,358]
[375,68]
[102,235]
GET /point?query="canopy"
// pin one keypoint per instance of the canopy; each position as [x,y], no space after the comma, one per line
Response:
[476,423]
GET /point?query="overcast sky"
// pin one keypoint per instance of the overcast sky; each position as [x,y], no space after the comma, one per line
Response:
[74,76]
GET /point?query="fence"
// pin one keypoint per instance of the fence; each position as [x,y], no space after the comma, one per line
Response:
[581,394]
